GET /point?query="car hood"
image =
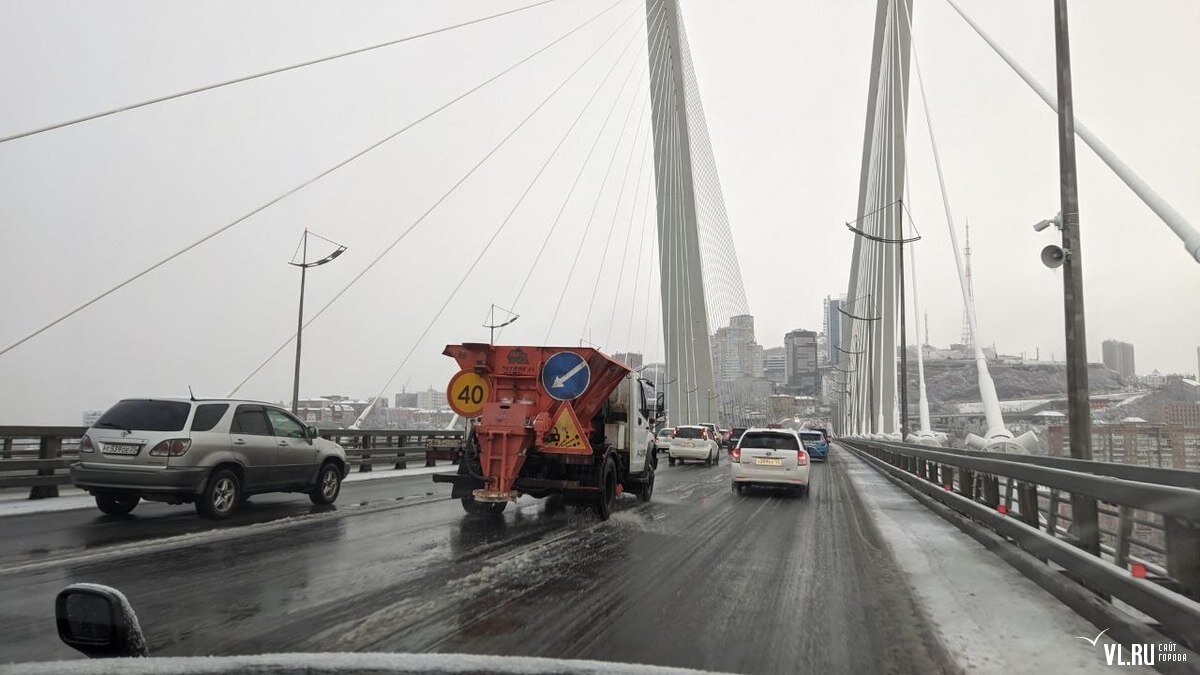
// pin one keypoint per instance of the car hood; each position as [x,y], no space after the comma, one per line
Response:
[335,663]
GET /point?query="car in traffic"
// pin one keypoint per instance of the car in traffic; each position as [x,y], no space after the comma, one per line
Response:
[815,443]
[735,434]
[769,457]
[694,442]
[212,452]
[662,439]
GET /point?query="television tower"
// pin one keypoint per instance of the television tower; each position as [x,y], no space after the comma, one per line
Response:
[967,339]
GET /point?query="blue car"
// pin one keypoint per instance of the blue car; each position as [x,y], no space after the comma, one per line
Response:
[815,443]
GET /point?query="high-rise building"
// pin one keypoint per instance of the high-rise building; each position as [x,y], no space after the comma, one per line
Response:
[735,353]
[90,417]
[833,329]
[1198,363]
[1118,356]
[775,365]
[800,349]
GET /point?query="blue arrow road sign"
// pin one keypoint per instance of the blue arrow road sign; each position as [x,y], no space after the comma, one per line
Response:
[565,376]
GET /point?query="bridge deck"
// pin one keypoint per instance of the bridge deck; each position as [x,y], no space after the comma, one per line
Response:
[860,577]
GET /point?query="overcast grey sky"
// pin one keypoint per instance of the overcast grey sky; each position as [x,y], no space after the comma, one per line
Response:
[784,87]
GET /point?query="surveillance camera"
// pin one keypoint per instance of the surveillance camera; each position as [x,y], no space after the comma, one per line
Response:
[1038,227]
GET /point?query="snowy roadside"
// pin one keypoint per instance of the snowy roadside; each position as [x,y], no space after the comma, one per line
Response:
[17,502]
[986,613]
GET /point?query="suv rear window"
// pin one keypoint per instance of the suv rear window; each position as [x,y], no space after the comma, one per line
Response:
[146,415]
[770,441]
[689,432]
[207,416]
[811,437]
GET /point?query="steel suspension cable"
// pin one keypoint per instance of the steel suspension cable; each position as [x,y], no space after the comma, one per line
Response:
[507,218]
[445,195]
[265,73]
[302,185]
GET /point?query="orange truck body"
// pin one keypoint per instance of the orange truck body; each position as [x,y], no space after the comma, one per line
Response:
[519,415]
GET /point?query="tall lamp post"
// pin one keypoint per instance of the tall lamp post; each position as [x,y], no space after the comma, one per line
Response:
[1083,509]
[302,249]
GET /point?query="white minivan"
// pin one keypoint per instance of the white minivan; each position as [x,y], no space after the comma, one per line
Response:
[771,457]
[693,441]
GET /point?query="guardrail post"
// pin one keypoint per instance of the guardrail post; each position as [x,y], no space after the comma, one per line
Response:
[401,459]
[1052,513]
[966,483]
[948,477]
[1124,532]
[1008,490]
[991,491]
[49,448]
[1183,553]
[365,445]
[1029,504]
[428,461]
[8,448]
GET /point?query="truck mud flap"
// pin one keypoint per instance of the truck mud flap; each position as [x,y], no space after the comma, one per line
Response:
[464,484]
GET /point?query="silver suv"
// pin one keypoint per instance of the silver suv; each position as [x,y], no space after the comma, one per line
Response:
[213,452]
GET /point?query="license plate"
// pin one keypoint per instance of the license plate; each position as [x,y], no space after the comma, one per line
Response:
[443,443]
[764,461]
[121,449]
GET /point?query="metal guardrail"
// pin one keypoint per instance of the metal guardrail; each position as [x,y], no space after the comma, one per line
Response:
[1027,499]
[37,457]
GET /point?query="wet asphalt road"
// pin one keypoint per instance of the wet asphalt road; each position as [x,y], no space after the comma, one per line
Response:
[698,577]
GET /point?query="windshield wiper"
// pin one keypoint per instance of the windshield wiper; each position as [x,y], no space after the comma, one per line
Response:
[110,425]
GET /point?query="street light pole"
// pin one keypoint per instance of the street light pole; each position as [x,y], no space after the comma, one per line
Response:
[1083,509]
[304,265]
[300,324]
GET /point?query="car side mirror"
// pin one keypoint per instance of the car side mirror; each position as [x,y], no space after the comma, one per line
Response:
[660,404]
[311,432]
[98,621]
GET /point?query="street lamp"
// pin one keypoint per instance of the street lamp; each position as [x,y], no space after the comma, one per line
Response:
[302,248]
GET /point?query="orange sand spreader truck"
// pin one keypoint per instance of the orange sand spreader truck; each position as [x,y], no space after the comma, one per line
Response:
[566,423]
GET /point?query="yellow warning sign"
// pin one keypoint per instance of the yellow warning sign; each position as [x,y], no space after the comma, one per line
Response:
[566,435]
[467,393]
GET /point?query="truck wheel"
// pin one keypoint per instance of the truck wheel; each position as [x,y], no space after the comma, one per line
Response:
[475,508]
[608,488]
[647,486]
[671,461]
[116,504]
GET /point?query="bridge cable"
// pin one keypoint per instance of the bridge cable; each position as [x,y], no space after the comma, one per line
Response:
[302,185]
[570,192]
[453,188]
[265,73]
[616,210]
[591,218]
[507,218]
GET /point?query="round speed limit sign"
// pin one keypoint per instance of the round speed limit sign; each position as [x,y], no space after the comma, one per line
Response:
[467,393]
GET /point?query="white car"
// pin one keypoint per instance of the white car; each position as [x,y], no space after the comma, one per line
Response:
[662,440]
[773,457]
[693,442]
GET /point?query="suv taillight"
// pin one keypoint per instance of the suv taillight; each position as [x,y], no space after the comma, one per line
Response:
[85,444]
[801,458]
[735,455]
[174,447]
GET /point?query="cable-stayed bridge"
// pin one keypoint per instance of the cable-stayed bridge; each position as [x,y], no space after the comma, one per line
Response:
[611,231]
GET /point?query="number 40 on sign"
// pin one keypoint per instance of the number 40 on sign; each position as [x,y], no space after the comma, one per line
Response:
[467,393]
